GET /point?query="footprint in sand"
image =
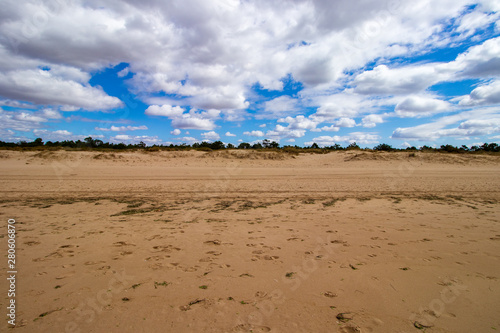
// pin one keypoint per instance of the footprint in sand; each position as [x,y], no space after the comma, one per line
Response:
[153,237]
[213,242]
[165,248]
[268,257]
[295,239]
[350,329]
[206,259]
[251,328]
[122,243]
[64,276]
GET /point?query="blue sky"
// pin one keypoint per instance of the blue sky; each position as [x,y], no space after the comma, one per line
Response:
[297,72]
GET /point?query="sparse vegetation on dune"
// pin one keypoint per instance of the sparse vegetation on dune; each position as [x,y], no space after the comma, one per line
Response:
[266,146]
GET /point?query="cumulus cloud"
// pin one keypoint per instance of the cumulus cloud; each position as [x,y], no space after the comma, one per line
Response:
[421,105]
[230,134]
[188,121]
[482,121]
[188,139]
[345,122]
[124,138]
[404,80]
[488,94]
[43,88]
[192,120]
[254,133]
[372,120]
[26,120]
[358,137]
[210,136]
[281,132]
[124,72]
[61,135]
[211,55]
[299,122]
[122,128]
[340,105]
[176,132]
[280,106]
[164,111]
[331,128]
[481,61]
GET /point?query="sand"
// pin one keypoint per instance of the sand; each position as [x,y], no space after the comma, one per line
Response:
[240,241]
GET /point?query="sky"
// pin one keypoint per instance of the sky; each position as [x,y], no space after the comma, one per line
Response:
[405,73]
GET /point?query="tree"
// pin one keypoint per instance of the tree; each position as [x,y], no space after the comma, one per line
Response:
[38,142]
[244,145]
[334,147]
[274,144]
[89,142]
[314,146]
[217,145]
[353,145]
[383,147]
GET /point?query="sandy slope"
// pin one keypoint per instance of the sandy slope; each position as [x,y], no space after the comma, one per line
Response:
[122,242]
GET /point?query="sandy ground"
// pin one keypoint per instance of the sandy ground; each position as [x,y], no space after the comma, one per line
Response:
[252,242]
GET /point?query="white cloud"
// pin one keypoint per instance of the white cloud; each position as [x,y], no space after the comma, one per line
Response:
[345,122]
[484,121]
[372,120]
[358,137]
[61,135]
[47,88]
[230,134]
[164,111]
[481,61]
[122,128]
[50,114]
[122,137]
[299,122]
[192,120]
[404,80]
[280,106]
[254,133]
[281,132]
[487,94]
[25,120]
[421,105]
[28,116]
[210,136]
[124,72]
[341,105]
[176,132]
[188,121]
[475,20]
[148,140]
[331,128]
[187,139]
[16,104]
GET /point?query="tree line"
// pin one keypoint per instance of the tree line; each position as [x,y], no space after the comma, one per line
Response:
[90,143]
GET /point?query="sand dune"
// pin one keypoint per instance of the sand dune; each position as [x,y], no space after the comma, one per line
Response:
[243,241]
